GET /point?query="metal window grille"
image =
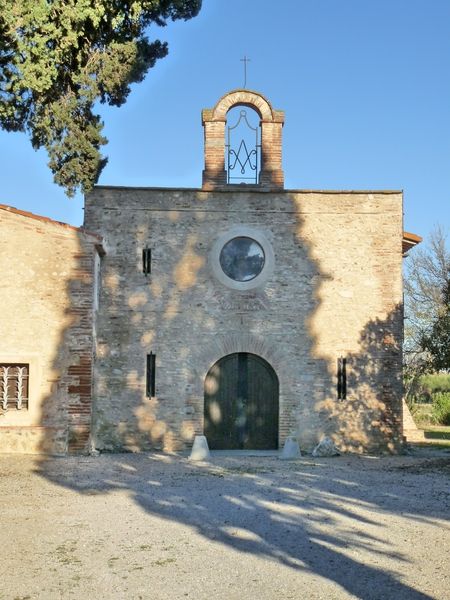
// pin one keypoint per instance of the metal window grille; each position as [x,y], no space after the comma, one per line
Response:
[151,368]
[147,261]
[243,151]
[342,378]
[14,379]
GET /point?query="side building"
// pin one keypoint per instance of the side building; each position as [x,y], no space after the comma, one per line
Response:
[47,296]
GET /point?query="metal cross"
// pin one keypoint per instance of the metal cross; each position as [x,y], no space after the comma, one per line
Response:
[245,60]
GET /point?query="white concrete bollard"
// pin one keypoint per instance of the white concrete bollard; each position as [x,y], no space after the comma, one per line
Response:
[291,449]
[200,449]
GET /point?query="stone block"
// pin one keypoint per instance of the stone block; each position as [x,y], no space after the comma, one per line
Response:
[325,447]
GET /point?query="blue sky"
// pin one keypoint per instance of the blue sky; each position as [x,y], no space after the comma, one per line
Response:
[365,86]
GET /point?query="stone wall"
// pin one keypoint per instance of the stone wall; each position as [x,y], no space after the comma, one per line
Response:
[335,290]
[46,321]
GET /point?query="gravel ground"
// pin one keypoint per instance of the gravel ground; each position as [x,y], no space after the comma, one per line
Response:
[158,527]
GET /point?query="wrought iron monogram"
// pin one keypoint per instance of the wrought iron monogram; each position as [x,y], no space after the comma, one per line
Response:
[243,163]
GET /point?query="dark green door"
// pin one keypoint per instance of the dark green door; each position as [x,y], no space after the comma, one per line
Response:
[241,404]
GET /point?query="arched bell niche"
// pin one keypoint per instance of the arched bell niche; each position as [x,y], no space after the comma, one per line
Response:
[224,160]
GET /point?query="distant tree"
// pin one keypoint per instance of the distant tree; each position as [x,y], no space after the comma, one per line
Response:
[427,281]
[436,341]
[59,57]
[427,271]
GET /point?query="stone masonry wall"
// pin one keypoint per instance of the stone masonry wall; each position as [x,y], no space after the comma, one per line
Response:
[335,290]
[47,321]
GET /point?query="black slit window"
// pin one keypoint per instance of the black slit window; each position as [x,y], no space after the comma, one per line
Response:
[342,378]
[147,261]
[151,375]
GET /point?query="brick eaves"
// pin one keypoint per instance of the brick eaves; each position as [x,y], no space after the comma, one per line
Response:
[409,241]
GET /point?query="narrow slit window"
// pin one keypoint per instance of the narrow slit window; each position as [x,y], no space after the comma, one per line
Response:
[147,261]
[342,378]
[151,358]
[14,386]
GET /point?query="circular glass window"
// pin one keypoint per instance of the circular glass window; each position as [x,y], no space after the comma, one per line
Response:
[242,259]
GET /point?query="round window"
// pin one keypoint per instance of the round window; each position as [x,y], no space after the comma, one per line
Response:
[242,259]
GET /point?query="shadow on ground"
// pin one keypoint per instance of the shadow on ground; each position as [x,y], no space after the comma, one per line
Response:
[329,517]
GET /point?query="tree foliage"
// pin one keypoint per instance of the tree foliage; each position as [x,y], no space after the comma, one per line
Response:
[59,57]
[427,309]
[436,341]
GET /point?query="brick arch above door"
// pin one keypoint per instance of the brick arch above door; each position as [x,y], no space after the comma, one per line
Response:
[205,356]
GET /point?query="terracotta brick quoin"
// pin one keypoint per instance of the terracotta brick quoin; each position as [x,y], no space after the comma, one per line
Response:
[85,371]
[77,389]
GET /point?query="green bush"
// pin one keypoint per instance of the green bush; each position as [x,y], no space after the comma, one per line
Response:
[428,385]
[440,411]
[421,413]
[437,382]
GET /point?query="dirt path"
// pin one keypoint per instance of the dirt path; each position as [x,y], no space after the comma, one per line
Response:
[157,527]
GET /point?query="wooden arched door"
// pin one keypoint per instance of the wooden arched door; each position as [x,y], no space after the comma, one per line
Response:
[241,404]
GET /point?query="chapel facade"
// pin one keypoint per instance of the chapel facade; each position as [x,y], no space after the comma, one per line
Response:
[240,310]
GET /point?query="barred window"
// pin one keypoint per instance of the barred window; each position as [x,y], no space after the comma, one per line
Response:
[14,386]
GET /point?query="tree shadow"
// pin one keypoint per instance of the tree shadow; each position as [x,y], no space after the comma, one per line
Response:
[303,515]
[305,316]
[369,418]
[182,301]
[317,516]
[298,515]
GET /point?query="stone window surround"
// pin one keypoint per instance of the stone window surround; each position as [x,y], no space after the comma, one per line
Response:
[249,232]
